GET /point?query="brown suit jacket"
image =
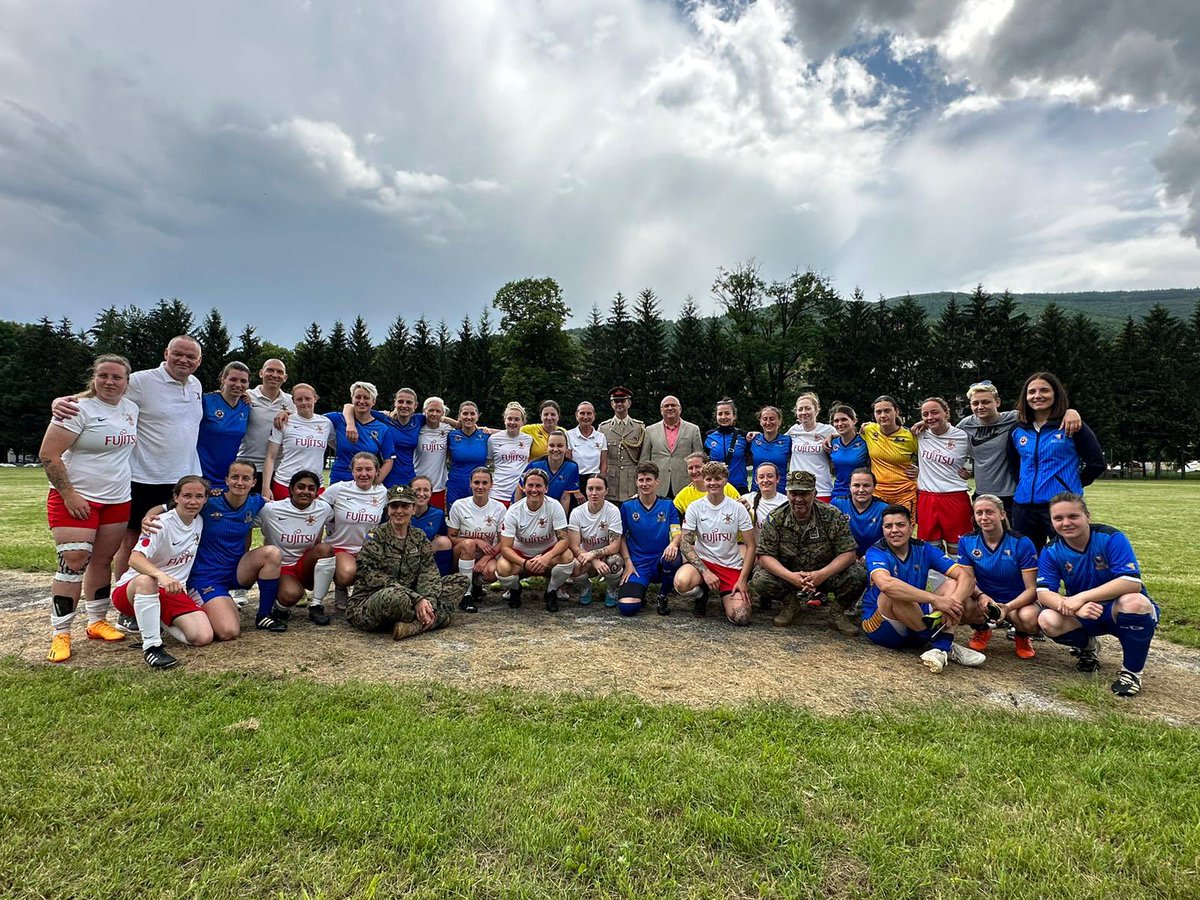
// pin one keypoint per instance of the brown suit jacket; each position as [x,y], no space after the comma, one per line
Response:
[672,468]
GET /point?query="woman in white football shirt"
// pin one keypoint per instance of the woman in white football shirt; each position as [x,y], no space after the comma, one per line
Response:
[508,453]
[474,531]
[594,534]
[810,445]
[358,506]
[295,526]
[299,446]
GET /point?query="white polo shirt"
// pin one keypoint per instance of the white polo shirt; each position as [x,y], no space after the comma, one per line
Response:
[262,420]
[169,414]
[586,450]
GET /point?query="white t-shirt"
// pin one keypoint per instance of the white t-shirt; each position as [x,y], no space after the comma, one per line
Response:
[717,530]
[302,445]
[261,425]
[355,512]
[940,456]
[293,530]
[508,456]
[172,549]
[430,456]
[533,531]
[98,462]
[473,521]
[586,450]
[765,508]
[169,415]
[596,530]
[809,454]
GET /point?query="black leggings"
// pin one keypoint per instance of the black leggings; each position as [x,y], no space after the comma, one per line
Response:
[1033,521]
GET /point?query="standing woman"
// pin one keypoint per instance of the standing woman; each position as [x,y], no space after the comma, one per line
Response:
[294,525]
[358,432]
[1047,460]
[847,450]
[549,412]
[1005,567]
[297,447]
[430,459]
[727,443]
[404,426]
[893,451]
[943,501]
[226,418]
[766,499]
[809,450]
[467,450]
[508,453]
[769,445]
[86,459]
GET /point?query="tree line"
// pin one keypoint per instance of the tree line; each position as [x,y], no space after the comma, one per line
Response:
[759,342]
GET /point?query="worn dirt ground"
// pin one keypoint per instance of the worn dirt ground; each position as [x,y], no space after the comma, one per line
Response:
[593,651]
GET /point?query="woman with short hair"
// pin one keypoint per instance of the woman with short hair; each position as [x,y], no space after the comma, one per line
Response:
[358,431]
[295,525]
[550,415]
[533,541]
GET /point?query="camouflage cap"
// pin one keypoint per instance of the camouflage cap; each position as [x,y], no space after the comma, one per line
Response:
[801,481]
[401,493]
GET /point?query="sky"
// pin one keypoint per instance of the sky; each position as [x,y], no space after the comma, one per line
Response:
[288,162]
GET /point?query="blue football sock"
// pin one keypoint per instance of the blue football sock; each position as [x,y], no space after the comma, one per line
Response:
[1075,638]
[941,641]
[1135,631]
[444,560]
[268,588]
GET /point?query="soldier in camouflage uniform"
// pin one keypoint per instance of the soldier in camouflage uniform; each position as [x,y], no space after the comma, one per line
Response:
[398,586]
[806,548]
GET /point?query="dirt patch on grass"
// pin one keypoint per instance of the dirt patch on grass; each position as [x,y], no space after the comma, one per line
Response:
[675,659]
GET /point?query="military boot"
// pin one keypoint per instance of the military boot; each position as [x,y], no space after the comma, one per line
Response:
[839,621]
[788,610]
[404,630]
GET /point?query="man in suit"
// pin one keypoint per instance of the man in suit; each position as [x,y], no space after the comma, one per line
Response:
[667,445]
[625,435]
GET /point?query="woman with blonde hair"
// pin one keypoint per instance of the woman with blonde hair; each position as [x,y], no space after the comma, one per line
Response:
[86,458]
[810,444]
[358,431]
[508,453]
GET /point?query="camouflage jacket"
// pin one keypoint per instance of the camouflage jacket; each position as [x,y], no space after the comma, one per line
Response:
[386,560]
[804,546]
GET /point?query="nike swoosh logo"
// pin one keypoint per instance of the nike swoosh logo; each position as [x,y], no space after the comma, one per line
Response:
[179,543]
[101,418]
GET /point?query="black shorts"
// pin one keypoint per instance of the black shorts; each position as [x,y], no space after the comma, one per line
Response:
[143,497]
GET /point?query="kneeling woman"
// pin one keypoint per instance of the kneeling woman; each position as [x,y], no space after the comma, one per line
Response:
[594,532]
[358,505]
[398,587]
[533,541]
[295,525]
[1005,567]
[225,564]
[153,589]
[1104,592]
[474,532]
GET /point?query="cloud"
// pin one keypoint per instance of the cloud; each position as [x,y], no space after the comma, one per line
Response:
[290,162]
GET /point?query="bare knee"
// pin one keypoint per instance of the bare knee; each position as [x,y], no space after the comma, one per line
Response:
[440,543]
[465,549]
[1136,604]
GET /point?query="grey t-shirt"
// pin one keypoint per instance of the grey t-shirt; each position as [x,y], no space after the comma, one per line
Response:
[989,447]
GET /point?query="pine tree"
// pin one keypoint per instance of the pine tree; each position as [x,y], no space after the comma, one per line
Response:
[338,371]
[249,348]
[950,361]
[362,353]
[168,319]
[423,367]
[214,347]
[486,392]
[618,360]
[393,357]
[111,333]
[311,355]
[596,381]
[688,360]
[648,344]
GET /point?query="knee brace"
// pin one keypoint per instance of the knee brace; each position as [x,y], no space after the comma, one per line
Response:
[65,572]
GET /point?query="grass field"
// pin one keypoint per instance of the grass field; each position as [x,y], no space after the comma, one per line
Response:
[1157,516]
[122,783]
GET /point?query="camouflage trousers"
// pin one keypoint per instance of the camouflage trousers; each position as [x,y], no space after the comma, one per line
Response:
[846,586]
[383,608]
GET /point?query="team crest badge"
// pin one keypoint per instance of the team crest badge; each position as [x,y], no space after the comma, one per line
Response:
[374,501]
[977,553]
[129,419]
[728,518]
[949,445]
[220,414]
[1100,561]
[1070,567]
[216,515]
[311,520]
[489,520]
[542,522]
[662,517]
[637,517]
[1023,441]
[1008,553]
